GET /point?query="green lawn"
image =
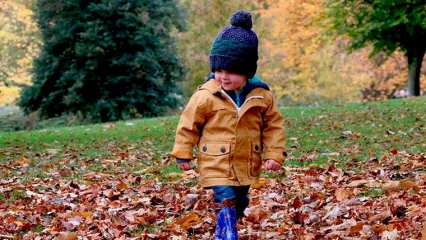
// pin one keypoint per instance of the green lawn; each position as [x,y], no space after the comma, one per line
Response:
[322,135]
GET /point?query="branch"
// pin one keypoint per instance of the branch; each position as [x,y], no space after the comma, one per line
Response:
[4,73]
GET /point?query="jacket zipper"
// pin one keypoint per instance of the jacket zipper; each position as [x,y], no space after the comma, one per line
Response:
[238,108]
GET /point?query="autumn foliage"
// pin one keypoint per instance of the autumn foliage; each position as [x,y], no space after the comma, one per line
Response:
[386,201]
[299,57]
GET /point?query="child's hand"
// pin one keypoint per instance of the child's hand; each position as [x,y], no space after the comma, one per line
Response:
[272,165]
[184,166]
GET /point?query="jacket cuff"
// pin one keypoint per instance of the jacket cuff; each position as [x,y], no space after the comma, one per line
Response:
[278,156]
[179,160]
[182,151]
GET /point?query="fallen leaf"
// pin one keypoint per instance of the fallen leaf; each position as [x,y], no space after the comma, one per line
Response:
[342,194]
[189,220]
[390,235]
[297,203]
[408,185]
[122,186]
[299,217]
[86,215]
[255,214]
[334,213]
[65,172]
[260,183]
[67,236]
[52,151]
[380,217]
[391,186]
[358,183]
[356,228]
[23,162]
[190,200]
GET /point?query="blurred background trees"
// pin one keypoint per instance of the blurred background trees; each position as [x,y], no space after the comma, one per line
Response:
[19,44]
[107,60]
[387,26]
[124,58]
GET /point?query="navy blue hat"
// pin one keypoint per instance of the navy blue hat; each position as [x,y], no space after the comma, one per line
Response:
[235,48]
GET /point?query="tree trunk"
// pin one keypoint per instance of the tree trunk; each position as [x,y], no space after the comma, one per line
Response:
[415,59]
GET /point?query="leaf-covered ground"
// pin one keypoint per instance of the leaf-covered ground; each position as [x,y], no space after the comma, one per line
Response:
[354,172]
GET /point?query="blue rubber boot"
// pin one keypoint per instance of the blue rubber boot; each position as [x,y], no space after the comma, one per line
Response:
[226,224]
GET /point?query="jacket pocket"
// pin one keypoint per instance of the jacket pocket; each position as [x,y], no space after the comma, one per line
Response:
[255,160]
[214,159]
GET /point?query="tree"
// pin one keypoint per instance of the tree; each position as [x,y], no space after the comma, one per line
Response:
[388,26]
[108,59]
[299,58]
[19,43]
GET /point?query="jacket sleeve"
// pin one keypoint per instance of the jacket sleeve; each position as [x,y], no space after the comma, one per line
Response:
[189,127]
[273,137]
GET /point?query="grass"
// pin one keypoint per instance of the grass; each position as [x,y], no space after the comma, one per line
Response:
[337,134]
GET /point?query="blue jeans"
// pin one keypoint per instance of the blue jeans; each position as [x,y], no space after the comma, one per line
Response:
[238,194]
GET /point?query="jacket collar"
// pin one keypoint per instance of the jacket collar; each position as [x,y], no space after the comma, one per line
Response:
[212,86]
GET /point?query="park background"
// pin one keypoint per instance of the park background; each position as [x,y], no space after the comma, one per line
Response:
[303,56]
[100,85]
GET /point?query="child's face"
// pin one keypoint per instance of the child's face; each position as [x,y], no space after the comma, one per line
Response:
[230,80]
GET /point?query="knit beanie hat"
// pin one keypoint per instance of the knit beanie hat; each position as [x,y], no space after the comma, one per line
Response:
[235,48]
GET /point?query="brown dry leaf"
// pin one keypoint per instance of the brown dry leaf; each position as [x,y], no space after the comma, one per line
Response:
[424,231]
[65,172]
[189,220]
[390,235]
[299,217]
[391,186]
[260,183]
[86,215]
[122,186]
[380,216]
[190,199]
[358,183]
[256,214]
[408,185]
[23,161]
[297,203]
[342,194]
[67,236]
[356,228]
[130,216]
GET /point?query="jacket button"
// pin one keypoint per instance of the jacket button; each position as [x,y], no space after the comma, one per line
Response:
[256,147]
[204,149]
[223,149]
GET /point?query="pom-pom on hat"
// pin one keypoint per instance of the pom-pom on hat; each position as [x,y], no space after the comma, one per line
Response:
[235,48]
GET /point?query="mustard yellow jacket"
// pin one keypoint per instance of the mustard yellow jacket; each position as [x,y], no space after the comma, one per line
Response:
[231,141]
